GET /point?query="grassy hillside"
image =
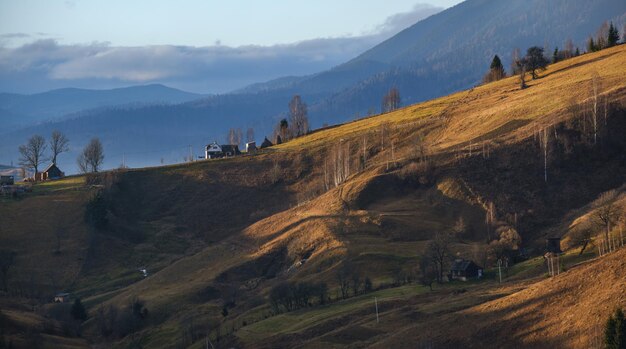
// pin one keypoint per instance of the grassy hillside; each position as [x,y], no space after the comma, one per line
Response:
[217,236]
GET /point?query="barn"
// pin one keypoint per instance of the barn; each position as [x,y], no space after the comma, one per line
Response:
[51,172]
[463,269]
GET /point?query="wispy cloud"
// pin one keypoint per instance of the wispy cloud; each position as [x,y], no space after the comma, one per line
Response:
[45,63]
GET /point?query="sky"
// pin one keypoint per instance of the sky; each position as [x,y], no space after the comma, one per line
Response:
[203,46]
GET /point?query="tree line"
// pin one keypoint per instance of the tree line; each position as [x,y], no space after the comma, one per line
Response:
[34,153]
[536,60]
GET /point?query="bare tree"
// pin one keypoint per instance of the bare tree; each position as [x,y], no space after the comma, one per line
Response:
[58,145]
[544,146]
[391,101]
[522,74]
[515,61]
[364,155]
[438,250]
[250,135]
[595,92]
[234,136]
[569,49]
[344,276]
[581,236]
[32,153]
[602,36]
[298,116]
[275,173]
[92,157]
[607,213]
[339,164]
[490,217]
[428,272]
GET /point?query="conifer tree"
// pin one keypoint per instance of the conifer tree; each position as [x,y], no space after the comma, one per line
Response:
[613,36]
[555,55]
[615,331]
[496,70]
[591,45]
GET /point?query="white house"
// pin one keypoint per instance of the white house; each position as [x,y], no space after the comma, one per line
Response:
[213,151]
[250,147]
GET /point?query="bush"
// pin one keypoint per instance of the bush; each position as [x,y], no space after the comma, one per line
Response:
[615,331]
[78,310]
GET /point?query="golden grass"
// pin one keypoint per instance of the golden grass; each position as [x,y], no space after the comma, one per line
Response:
[469,115]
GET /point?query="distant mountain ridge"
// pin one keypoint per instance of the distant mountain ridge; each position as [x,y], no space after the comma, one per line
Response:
[441,54]
[19,109]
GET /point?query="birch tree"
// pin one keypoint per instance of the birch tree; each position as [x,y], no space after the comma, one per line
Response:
[595,92]
[298,116]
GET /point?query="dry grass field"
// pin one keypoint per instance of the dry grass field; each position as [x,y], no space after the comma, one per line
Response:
[235,228]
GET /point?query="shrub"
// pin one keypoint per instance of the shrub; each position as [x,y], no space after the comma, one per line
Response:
[78,310]
[615,331]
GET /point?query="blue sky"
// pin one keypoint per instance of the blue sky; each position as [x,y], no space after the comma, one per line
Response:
[201,46]
[198,23]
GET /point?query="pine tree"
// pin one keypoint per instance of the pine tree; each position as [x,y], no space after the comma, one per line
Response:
[555,55]
[496,70]
[577,52]
[591,45]
[78,310]
[613,37]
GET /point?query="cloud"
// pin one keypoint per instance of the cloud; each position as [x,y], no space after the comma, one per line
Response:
[400,21]
[45,64]
[14,36]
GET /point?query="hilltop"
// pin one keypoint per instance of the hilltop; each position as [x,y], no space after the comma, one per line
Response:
[218,236]
[445,53]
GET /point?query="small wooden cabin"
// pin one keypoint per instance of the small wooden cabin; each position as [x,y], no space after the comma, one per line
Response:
[266,143]
[463,269]
[62,298]
[51,172]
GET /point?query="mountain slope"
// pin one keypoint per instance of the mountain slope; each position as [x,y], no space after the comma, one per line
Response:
[219,235]
[568,311]
[444,53]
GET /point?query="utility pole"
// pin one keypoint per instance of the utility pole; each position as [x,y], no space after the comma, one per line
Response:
[376,303]
[190,154]
[123,160]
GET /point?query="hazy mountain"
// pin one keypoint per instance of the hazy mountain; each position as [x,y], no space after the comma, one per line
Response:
[444,53]
[451,50]
[18,109]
